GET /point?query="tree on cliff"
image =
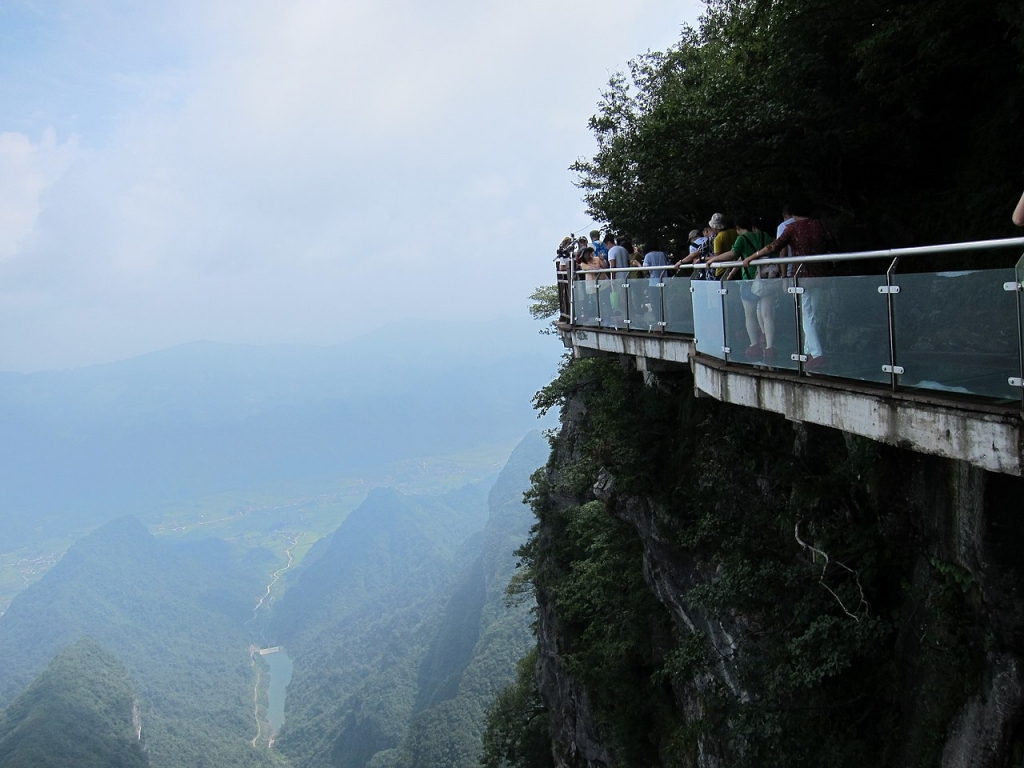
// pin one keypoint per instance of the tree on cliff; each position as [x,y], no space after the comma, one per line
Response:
[903,119]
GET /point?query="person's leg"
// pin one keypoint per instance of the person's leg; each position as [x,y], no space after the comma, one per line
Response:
[750,320]
[766,316]
[808,300]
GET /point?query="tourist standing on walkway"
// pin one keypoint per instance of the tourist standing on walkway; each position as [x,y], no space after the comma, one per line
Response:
[618,256]
[748,240]
[806,236]
[725,236]
[654,257]
[600,250]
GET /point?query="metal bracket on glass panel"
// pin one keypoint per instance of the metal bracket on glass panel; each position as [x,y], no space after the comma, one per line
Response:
[723,291]
[625,321]
[727,350]
[662,323]
[659,285]
[888,289]
[692,289]
[625,285]
[897,369]
[1016,381]
[795,289]
[796,358]
[1013,287]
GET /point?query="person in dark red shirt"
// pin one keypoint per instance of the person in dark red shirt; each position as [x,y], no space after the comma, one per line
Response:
[805,236]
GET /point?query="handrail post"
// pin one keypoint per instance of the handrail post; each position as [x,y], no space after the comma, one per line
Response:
[726,349]
[800,357]
[661,302]
[572,292]
[1019,278]
[894,369]
[624,299]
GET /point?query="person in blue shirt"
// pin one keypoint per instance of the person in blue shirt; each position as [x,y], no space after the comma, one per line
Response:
[600,249]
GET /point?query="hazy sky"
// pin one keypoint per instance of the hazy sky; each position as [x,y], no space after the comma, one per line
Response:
[289,171]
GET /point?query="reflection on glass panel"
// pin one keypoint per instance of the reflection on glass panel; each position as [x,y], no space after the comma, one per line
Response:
[845,327]
[760,329]
[678,305]
[957,332]
[708,327]
[617,303]
[776,314]
[604,300]
[735,324]
[584,294]
[644,305]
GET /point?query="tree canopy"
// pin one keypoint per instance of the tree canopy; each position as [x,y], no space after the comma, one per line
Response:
[900,121]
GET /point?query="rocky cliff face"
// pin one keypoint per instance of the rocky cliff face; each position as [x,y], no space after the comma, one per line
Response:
[719,587]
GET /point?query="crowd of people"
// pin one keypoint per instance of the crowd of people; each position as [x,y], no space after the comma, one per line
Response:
[722,240]
[743,239]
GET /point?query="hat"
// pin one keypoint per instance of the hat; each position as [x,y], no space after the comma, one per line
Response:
[694,233]
[717,221]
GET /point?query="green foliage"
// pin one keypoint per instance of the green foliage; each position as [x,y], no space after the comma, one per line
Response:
[788,539]
[172,615]
[544,304]
[399,630]
[949,645]
[78,712]
[860,106]
[516,729]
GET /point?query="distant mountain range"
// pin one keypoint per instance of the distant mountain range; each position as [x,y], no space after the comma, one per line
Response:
[173,615]
[82,446]
[396,623]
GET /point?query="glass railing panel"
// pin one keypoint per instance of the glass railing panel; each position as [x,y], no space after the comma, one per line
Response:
[585,302]
[776,312]
[957,332]
[760,329]
[845,327]
[735,333]
[644,300]
[708,326]
[611,302]
[678,305]
[1019,279]
[618,303]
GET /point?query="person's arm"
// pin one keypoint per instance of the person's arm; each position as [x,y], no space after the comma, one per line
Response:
[1018,213]
[780,242]
[725,256]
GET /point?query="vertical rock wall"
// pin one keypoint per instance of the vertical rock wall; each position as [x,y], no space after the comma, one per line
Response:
[905,647]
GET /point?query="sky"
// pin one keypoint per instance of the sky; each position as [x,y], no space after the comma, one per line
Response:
[262,171]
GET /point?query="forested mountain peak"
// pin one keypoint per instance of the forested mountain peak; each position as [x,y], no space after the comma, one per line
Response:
[398,627]
[82,711]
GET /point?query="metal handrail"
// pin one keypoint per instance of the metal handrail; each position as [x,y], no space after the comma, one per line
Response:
[887,253]
[654,298]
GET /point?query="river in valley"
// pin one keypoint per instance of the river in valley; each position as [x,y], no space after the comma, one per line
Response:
[280,675]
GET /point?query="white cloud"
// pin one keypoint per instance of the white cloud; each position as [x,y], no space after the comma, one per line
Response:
[304,171]
[27,170]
